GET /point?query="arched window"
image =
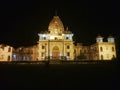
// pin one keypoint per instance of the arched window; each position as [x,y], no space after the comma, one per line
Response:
[44,38]
[43,47]
[101,49]
[113,49]
[8,58]
[113,57]
[9,50]
[101,57]
[68,46]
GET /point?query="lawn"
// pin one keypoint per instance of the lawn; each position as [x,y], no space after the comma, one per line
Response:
[59,76]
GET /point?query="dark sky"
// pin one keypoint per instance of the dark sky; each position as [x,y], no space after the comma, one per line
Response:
[22,20]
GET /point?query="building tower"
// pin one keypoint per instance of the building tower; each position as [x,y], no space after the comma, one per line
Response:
[111,39]
[104,50]
[99,38]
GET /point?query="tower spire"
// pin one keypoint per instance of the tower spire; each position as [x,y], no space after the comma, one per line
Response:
[67,28]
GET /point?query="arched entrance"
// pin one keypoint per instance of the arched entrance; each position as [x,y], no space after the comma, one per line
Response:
[55,52]
[8,58]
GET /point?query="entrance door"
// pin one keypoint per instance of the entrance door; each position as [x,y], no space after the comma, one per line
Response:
[55,52]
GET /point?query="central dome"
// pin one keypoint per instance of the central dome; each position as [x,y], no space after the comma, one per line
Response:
[56,26]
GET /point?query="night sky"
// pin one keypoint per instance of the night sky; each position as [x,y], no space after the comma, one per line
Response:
[22,20]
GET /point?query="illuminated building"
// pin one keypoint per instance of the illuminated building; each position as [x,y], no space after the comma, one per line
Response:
[6,52]
[25,53]
[103,50]
[99,51]
[56,43]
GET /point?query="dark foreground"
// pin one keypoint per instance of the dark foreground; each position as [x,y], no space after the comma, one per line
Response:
[59,76]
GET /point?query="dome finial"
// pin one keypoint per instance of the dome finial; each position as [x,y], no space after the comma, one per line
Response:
[56,25]
[56,12]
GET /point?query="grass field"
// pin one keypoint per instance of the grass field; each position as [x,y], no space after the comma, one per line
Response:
[59,76]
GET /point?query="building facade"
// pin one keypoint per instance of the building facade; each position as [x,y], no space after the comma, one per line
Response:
[99,51]
[57,44]
[25,53]
[6,52]
[103,50]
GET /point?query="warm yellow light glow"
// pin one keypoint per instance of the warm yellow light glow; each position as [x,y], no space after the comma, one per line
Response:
[56,44]
[5,53]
